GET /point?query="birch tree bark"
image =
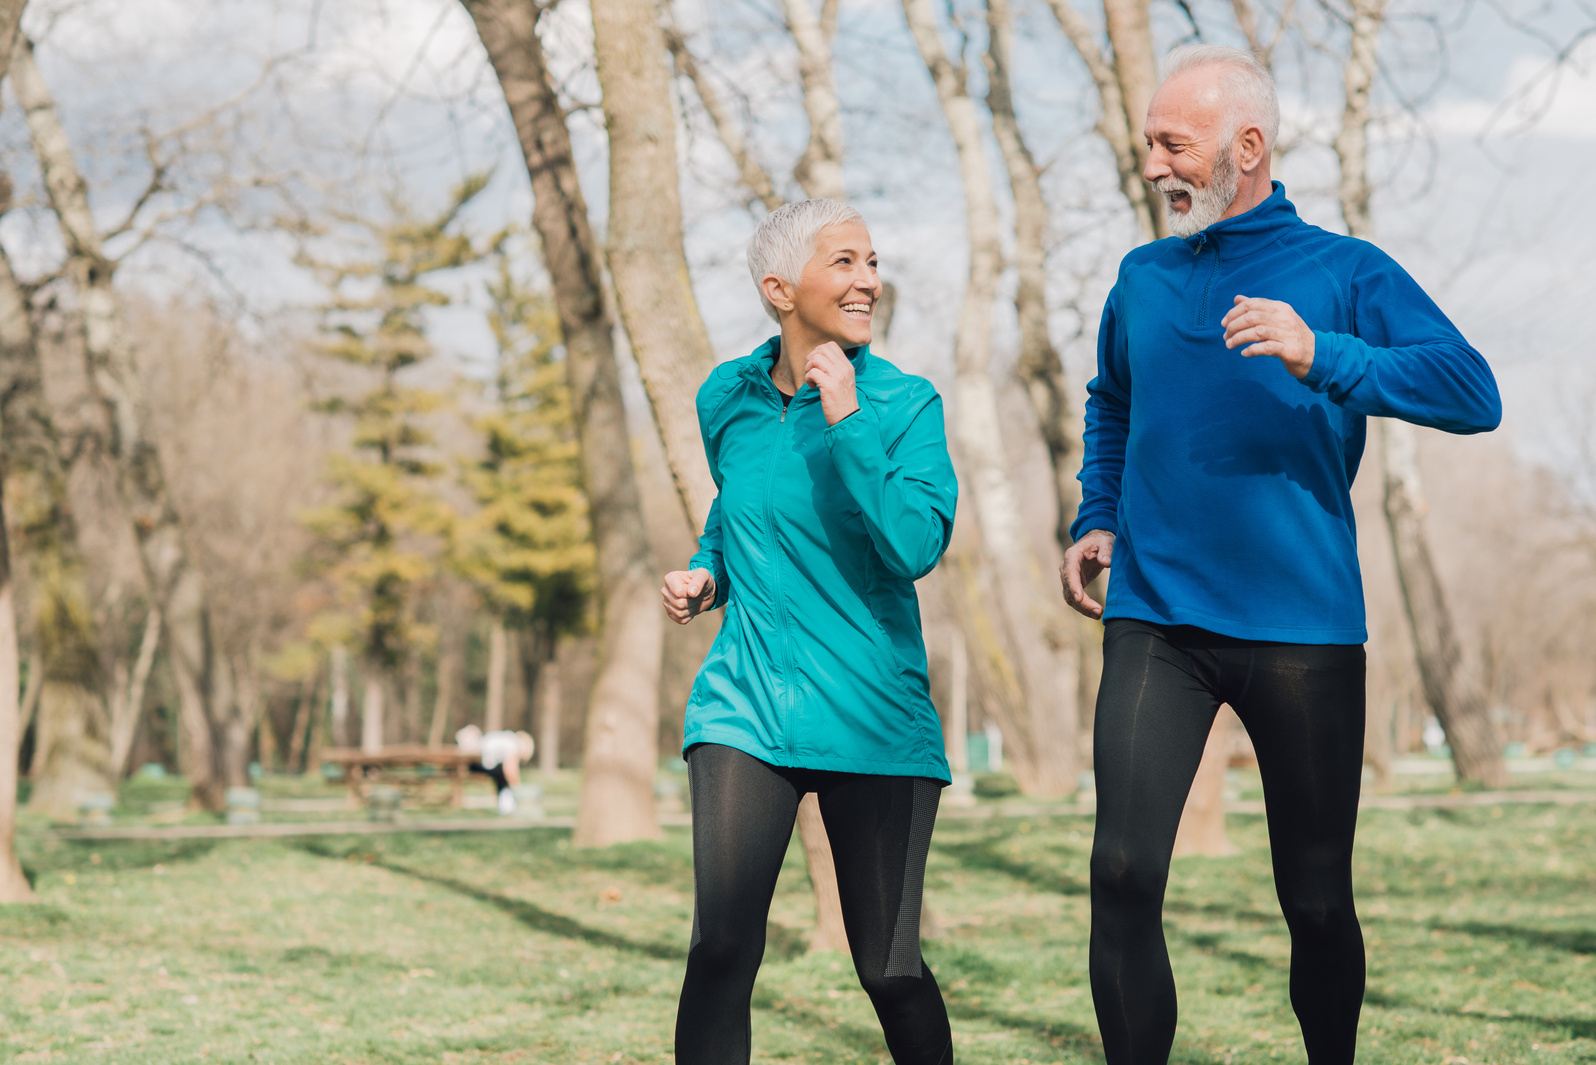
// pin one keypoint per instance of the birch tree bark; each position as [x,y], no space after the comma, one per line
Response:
[174,581]
[1044,743]
[1451,688]
[14,886]
[72,741]
[1040,367]
[1114,73]
[819,169]
[646,256]
[617,802]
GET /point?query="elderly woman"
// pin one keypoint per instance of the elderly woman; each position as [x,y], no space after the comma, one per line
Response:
[836,494]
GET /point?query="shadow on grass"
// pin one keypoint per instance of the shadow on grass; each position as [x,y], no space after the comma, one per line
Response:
[1578,1027]
[528,913]
[1573,941]
[75,854]
[986,855]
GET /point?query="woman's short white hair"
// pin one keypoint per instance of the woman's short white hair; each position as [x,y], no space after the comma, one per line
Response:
[786,240]
[1251,88]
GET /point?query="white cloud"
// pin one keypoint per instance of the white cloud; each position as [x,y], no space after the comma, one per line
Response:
[1559,103]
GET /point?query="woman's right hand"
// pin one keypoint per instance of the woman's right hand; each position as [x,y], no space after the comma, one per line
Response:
[688,593]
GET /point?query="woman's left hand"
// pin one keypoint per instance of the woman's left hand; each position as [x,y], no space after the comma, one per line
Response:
[829,370]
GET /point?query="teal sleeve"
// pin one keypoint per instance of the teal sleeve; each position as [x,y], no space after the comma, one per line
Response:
[905,486]
[710,555]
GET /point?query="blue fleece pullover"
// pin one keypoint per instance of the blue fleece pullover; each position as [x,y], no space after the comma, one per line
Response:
[815,541]
[1225,480]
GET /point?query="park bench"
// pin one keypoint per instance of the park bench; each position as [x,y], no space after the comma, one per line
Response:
[413,768]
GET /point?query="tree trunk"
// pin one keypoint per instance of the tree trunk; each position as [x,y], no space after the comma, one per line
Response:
[339,667]
[819,170]
[173,580]
[13,885]
[129,708]
[617,801]
[1048,666]
[498,662]
[371,708]
[646,255]
[448,670]
[753,176]
[1202,822]
[1119,122]
[1040,368]
[549,719]
[829,934]
[304,721]
[1450,686]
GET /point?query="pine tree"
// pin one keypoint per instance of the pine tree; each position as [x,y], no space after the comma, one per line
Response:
[528,549]
[384,535]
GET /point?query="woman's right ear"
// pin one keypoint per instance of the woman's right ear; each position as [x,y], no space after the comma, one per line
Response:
[778,292]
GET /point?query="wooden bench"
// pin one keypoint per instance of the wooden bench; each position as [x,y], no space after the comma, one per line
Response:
[405,766]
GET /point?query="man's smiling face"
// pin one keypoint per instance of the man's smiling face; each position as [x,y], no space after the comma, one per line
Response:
[1191,159]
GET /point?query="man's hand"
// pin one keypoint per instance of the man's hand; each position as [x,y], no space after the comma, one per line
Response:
[1270,327]
[1086,558]
[829,370]
[688,593]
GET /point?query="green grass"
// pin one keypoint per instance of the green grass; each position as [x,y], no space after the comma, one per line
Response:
[513,947]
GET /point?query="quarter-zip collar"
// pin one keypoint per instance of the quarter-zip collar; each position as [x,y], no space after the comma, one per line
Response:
[765,356]
[1249,231]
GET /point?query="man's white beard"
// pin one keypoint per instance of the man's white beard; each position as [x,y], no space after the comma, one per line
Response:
[1208,204]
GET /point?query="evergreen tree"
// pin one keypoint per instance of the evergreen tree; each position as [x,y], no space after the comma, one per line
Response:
[385,532]
[528,549]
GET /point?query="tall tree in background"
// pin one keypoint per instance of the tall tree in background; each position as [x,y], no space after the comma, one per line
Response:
[1044,741]
[528,548]
[1451,686]
[384,531]
[13,885]
[205,679]
[622,755]
[1125,75]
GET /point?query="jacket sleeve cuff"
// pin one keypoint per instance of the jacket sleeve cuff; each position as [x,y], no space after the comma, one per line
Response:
[1089,520]
[1327,352]
[862,426]
[717,569]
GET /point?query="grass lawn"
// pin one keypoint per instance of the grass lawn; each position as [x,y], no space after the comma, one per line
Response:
[512,947]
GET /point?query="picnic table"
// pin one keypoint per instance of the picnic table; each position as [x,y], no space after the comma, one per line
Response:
[413,767]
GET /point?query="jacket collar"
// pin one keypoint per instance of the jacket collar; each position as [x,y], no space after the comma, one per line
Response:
[1252,229]
[763,359]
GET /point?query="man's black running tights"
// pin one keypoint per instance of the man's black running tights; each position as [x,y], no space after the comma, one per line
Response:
[880,829]
[1303,705]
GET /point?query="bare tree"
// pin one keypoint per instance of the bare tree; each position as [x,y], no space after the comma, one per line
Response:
[13,885]
[204,680]
[622,753]
[1124,76]
[1045,741]
[644,245]
[1450,685]
[1040,367]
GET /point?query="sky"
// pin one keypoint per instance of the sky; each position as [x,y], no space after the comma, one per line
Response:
[275,110]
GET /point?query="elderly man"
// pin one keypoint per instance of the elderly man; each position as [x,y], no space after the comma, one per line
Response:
[1237,362]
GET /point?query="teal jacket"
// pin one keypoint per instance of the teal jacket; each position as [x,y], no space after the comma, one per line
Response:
[815,540]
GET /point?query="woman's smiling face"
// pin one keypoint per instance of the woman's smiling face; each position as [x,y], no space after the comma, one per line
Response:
[838,290]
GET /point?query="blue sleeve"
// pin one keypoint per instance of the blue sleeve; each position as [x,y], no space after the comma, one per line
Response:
[709,555]
[1108,403]
[1404,358]
[905,487]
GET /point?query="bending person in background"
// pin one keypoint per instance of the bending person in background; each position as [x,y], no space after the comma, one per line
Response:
[1237,362]
[499,756]
[836,494]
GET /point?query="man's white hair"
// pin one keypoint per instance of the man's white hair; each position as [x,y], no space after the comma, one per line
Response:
[1250,88]
[786,240]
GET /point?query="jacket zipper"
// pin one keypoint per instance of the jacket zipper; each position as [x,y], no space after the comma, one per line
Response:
[785,701]
[1202,312]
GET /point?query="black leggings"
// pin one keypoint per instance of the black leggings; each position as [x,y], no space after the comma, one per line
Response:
[1303,707]
[880,829]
